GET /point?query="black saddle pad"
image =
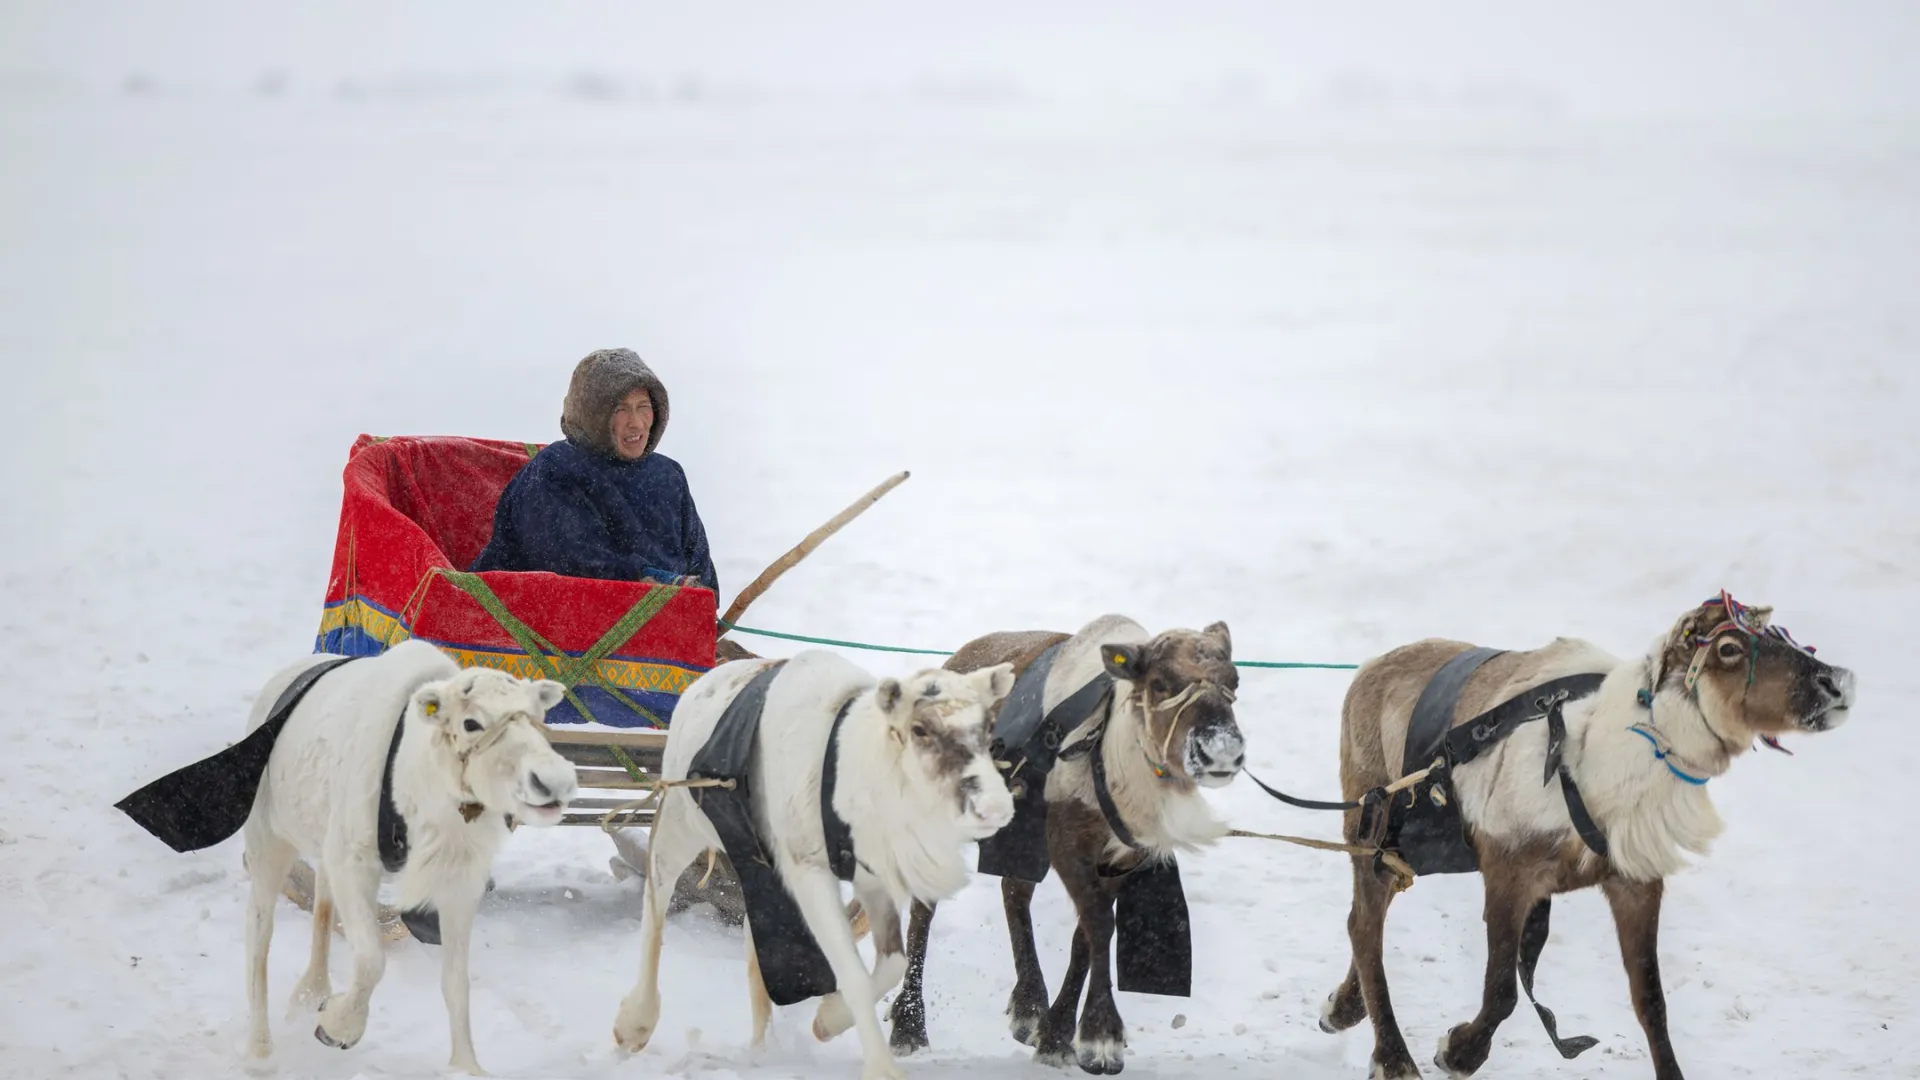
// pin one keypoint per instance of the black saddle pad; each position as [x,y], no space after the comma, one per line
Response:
[791,963]
[201,804]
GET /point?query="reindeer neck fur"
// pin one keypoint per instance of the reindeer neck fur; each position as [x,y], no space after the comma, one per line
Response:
[444,848]
[904,835]
[1649,815]
[1165,814]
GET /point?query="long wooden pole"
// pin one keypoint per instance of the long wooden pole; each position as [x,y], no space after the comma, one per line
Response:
[805,547]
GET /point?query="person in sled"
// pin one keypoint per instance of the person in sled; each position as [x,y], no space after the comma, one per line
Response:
[602,502]
[605,503]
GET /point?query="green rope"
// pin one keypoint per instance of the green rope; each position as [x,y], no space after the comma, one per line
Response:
[1294,664]
[726,627]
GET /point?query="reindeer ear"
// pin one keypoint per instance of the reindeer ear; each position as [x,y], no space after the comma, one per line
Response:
[1679,640]
[549,693]
[993,683]
[1218,632]
[887,694]
[1688,627]
[432,700]
[1123,661]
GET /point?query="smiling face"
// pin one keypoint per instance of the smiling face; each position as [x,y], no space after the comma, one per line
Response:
[488,720]
[631,427]
[1750,678]
[940,719]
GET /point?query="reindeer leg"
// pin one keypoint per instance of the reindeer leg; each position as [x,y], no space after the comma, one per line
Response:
[678,838]
[457,907]
[873,911]
[1101,1043]
[757,999]
[909,1012]
[1027,1005]
[267,860]
[1054,1045]
[316,986]
[1509,900]
[1367,929]
[355,883]
[818,893]
[1636,917]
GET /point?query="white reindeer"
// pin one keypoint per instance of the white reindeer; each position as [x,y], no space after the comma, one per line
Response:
[915,783]
[470,757]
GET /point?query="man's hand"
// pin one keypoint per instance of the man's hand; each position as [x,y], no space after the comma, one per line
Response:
[683,580]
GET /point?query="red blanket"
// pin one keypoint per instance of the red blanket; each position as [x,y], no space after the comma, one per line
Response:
[416,512]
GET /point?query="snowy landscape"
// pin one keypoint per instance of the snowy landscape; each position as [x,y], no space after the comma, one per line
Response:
[1349,330]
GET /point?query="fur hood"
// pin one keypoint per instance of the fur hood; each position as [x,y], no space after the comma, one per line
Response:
[599,382]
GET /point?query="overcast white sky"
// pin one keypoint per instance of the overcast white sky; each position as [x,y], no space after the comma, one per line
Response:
[1829,56]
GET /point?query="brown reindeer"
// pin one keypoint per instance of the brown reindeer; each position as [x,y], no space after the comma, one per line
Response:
[1164,729]
[1637,752]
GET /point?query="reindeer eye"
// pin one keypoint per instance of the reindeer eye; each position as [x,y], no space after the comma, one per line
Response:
[920,731]
[1731,650]
[472,725]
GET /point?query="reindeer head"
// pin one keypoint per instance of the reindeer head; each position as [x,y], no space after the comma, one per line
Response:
[488,722]
[1183,683]
[1750,679]
[940,721]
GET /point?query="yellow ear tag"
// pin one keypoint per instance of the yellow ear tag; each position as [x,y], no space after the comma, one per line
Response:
[1118,659]
[430,709]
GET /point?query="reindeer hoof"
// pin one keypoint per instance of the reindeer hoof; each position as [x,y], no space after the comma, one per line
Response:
[1062,1058]
[633,1026]
[320,1033]
[832,1018]
[1025,1026]
[1462,1063]
[1103,1057]
[1334,1019]
[908,1038]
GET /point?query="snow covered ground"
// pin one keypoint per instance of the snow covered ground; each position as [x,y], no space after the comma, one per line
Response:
[1345,333]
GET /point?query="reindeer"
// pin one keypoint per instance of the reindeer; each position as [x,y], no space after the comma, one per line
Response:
[406,760]
[884,781]
[1164,730]
[1634,759]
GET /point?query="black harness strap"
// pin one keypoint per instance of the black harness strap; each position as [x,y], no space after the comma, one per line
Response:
[1533,938]
[1112,813]
[1304,804]
[390,828]
[838,834]
[1089,748]
[201,804]
[1433,713]
[1583,822]
[1469,740]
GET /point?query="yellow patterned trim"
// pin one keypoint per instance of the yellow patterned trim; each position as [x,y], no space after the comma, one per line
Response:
[357,613]
[626,674]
